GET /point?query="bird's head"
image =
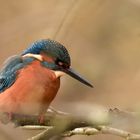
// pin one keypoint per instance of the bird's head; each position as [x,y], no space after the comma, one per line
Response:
[54,56]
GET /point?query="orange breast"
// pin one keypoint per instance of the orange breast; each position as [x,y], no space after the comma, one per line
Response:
[32,92]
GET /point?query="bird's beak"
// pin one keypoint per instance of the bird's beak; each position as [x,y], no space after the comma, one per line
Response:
[77,76]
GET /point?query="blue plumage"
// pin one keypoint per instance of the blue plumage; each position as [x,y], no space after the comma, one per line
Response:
[41,45]
[51,48]
[57,51]
[42,51]
[49,65]
[54,49]
[36,47]
[8,73]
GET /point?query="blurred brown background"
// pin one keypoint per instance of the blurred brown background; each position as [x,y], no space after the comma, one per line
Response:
[103,38]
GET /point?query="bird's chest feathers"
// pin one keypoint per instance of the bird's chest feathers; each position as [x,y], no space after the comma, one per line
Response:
[40,82]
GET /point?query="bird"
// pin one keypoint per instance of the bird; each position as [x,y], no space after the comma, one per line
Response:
[29,81]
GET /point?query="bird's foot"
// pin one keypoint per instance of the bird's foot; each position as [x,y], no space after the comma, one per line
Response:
[41,119]
[10,116]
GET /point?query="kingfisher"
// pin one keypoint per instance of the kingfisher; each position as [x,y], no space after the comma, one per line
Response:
[30,81]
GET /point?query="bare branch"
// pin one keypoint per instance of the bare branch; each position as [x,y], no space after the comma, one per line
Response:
[58,124]
[103,130]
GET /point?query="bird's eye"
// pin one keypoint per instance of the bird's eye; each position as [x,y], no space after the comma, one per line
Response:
[61,64]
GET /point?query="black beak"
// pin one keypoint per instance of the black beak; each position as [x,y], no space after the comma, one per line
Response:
[77,76]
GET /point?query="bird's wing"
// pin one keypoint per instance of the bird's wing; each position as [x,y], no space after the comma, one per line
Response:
[9,71]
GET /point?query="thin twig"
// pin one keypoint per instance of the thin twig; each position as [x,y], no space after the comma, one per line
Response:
[35,127]
[103,130]
[45,135]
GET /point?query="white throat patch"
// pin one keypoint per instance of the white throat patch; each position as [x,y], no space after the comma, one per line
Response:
[58,73]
